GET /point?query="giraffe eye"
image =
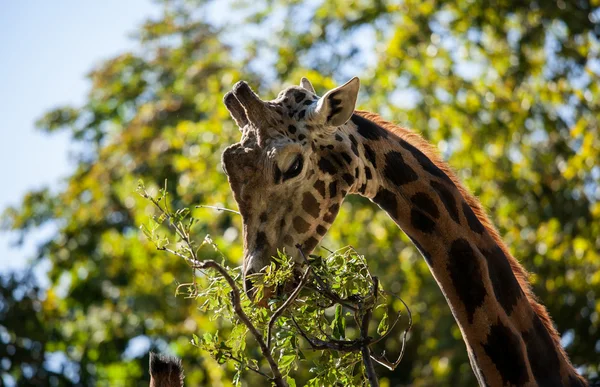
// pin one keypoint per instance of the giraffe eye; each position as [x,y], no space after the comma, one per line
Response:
[294,169]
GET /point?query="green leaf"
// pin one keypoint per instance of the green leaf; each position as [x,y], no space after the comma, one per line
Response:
[290,381]
[383,326]
[286,360]
[338,325]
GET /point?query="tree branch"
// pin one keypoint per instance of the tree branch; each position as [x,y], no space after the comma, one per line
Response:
[218,208]
[364,334]
[287,303]
[325,289]
[277,378]
[382,359]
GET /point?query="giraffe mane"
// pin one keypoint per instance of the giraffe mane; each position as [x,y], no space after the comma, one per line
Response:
[520,273]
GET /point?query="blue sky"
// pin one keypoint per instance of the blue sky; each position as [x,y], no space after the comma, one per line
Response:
[48,47]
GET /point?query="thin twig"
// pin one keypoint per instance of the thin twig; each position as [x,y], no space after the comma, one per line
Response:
[364,334]
[382,359]
[325,289]
[219,208]
[287,303]
[336,345]
[326,249]
[237,306]
[390,329]
[249,367]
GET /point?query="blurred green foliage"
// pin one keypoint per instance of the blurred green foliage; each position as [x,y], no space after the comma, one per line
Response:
[507,90]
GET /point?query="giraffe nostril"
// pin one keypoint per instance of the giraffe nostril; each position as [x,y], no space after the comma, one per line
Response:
[248,286]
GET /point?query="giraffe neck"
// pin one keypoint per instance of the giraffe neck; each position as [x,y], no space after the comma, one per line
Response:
[509,336]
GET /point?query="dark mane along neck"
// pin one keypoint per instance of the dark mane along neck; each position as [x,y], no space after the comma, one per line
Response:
[509,335]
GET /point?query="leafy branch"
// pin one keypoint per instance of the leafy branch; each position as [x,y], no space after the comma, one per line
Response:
[184,233]
[337,283]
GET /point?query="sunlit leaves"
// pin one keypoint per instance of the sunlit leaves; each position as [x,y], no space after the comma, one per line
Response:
[339,281]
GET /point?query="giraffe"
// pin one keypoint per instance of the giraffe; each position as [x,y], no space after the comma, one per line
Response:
[300,155]
[165,371]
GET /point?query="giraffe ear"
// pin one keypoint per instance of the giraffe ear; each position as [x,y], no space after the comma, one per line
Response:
[337,105]
[305,83]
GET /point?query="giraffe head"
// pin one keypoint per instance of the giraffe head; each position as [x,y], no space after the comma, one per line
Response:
[292,168]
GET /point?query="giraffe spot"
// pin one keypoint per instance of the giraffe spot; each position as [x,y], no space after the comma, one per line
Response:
[465,273]
[425,161]
[330,215]
[292,129]
[310,204]
[263,217]
[368,173]
[299,96]
[503,347]
[348,178]
[327,166]
[330,147]
[335,105]
[321,230]
[353,145]
[300,224]
[505,284]
[356,172]
[420,221]
[338,137]
[307,102]
[542,355]
[368,129]
[370,155]
[447,199]
[282,223]
[320,187]
[337,160]
[426,204]
[362,189]
[423,252]
[288,240]
[301,137]
[278,174]
[332,189]
[396,171]
[261,240]
[309,245]
[472,219]
[386,200]
[346,157]
[301,114]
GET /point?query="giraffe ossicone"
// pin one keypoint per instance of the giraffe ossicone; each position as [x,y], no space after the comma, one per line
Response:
[300,155]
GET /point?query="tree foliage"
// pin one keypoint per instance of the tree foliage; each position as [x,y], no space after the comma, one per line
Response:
[305,302]
[507,90]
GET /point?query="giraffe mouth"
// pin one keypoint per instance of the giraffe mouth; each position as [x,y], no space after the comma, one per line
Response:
[270,293]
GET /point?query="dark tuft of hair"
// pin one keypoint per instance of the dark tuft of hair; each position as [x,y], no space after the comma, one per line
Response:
[165,371]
